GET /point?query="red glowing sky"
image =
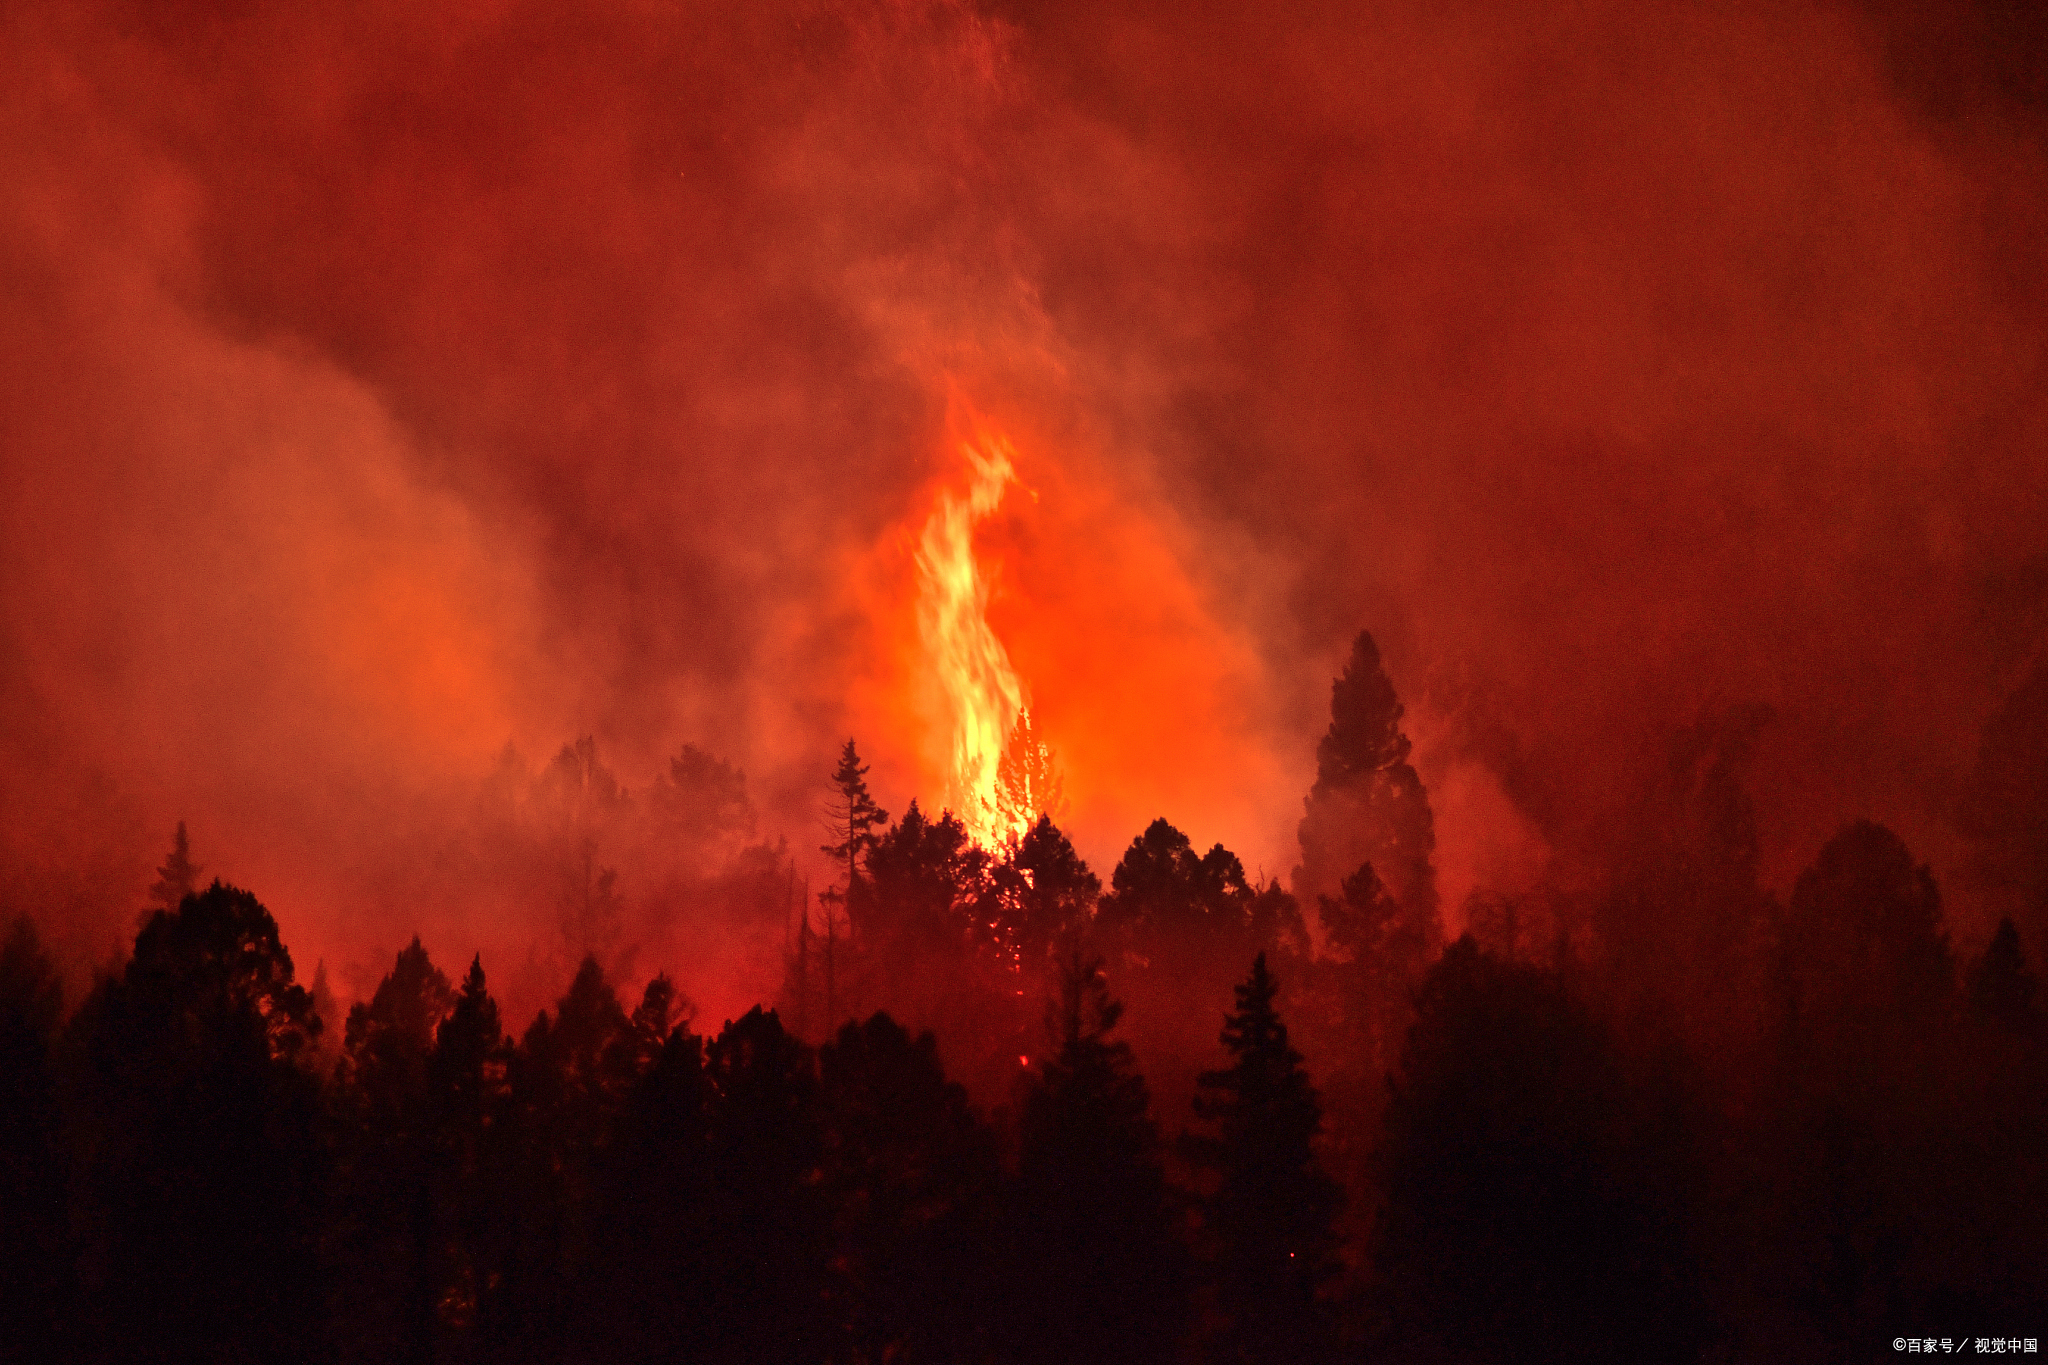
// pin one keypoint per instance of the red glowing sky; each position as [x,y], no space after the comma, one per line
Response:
[386,384]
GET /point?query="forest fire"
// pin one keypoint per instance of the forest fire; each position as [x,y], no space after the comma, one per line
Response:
[977,691]
[1013,682]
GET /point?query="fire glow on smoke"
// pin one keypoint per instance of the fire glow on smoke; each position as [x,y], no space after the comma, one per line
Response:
[1000,774]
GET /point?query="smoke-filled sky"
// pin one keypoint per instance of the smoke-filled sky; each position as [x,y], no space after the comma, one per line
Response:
[384,384]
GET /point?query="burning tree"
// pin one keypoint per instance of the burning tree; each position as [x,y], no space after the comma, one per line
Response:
[1028,782]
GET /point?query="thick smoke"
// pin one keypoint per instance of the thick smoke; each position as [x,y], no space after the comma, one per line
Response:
[383,385]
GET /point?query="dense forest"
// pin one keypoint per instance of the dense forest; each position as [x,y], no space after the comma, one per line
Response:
[1666,1118]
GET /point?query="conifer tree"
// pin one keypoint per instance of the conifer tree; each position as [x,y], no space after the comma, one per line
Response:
[1378,955]
[589,1025]
[2001,987]
[34,1268]
[1028,782]
[467,1067]
[179,876]
[1530,1203]
[2005,805]
[1169,904]
[564,1095]
[652,1299]
[1368,804]
[639,1044]
[915,1176]
[1683,928]
[1864,954]
[1267,1225]
[388,1039]
[1052,892]
[202,1154]
[769,1220]
[1100,1273]
[702,803]
[467,1093]
[923,873]
[797,970]
[579,790]
[1276,924]
[852,817]
[385,1239]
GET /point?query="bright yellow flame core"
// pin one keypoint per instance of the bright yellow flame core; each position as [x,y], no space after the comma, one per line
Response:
[980,693]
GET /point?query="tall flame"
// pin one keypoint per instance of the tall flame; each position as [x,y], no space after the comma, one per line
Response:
[979,690]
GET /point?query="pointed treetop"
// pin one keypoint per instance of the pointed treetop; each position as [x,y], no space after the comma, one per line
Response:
[409,1004]
[853,817]
[1256,1025]
[1365,720]
[1270,1219]
[179,876]
[2001,987]
[473,1024]
[1267,1070]
[1028,782]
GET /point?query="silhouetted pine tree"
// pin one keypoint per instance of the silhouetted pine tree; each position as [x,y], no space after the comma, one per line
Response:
[1683,931]
[636,1047]
[701,804]
[1100,1274]
[1529,1209]
[766,1282]
[800,999]
[36,1306]
[1054,893]
[1982,1187]
[1267,1226]
[2001,987]
[468,1095]
[565,1084]
[389,1038]
[466,1071]
[914,1178]
[852,819]
[925,874]
[651,1297]
[1182,915]
[1277,927]
[203,1167]
[178,877]
[1367,804]
[386,1232]
[1855,1147]
[1378,954]
[1028,782]
[1865,960]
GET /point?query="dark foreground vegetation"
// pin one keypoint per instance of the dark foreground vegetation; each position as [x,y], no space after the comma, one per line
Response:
[1665,1119]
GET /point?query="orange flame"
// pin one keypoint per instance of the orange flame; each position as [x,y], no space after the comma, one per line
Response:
[980,693]
[1026,597]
